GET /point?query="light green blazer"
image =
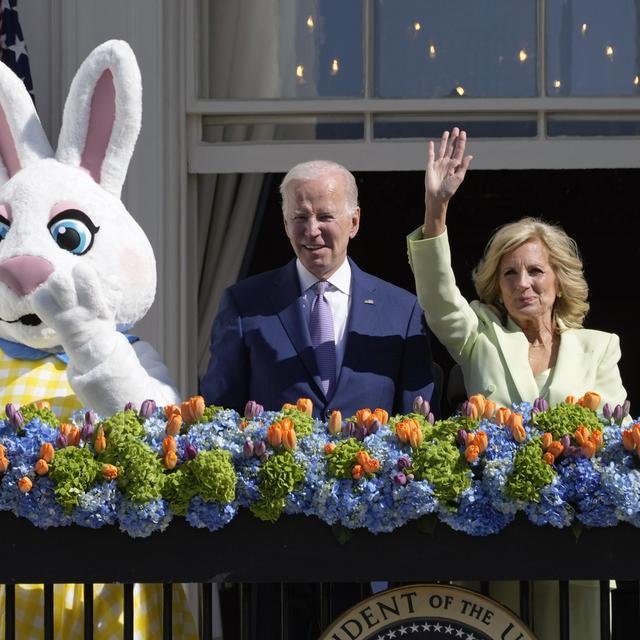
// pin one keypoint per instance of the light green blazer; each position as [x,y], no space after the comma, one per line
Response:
[495,358]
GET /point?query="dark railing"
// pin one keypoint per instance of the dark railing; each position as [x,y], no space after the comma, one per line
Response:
[304,550]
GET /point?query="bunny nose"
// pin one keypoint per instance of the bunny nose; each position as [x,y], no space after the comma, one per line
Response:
[22,274]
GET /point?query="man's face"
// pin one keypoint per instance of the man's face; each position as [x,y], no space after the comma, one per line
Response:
[318,225]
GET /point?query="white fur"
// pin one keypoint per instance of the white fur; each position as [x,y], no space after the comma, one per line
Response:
[87,296]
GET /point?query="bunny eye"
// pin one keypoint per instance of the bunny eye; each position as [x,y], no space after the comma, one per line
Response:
[4,227]
[73,231]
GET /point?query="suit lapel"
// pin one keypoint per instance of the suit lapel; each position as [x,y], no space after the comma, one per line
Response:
[288,299]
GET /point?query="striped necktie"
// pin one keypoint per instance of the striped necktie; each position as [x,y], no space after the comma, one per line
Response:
[322,337]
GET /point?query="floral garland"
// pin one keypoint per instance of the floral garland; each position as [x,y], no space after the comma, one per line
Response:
[474,471]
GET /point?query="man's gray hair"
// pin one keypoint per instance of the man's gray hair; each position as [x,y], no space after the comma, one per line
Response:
[315,169]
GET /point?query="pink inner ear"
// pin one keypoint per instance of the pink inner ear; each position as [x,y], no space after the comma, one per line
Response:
[8,151]
[101,119]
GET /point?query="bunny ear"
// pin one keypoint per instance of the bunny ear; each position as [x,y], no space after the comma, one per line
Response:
[102,115]
[22,139]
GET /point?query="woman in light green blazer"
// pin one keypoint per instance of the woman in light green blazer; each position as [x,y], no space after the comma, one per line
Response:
[524,338]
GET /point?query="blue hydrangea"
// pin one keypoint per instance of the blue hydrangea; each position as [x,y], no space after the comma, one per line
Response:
[210,515]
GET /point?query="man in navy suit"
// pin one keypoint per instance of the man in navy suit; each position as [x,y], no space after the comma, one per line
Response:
[261,346]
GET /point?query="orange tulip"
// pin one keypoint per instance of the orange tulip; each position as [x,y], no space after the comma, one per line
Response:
[42,404]
[596,438]
[329,448]
[47,452]
[514,420]
[416,438]
[478,401]
[546,440]
[169,444]
[489,409]
[362,457]
[335,422]
[382,415]
[305,405]
[570,400]
[472,452]
[110,471]
[518,433]
[635,433]
[170,410]
[627,440]
[289,439]
[481,441]
[588,449]
[174,424]
[357,472]
[4,464]
[402,430]
[100,441]
[41,468]
[591,400]
[372,466]
[73,438]
[170,459]
[274,434]
[549,458]
[288,405]
[287,423]
[581,435]
[192,409]
[502,415]
[556,448]
[362,415]
[3,451]
[25,484]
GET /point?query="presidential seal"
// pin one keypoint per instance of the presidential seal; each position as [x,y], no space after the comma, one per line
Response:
[428,612]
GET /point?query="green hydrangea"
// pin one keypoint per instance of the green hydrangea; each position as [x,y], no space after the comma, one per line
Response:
[341,461]
[30,411]
[279,475]
[302,423]
[141,474]
[565,419]
[210,475]
[448,429]
[445,468]
[74,471]
[418,417]
[530,473]
[209,414]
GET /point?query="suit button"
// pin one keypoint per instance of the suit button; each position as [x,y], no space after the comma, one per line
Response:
[491,388]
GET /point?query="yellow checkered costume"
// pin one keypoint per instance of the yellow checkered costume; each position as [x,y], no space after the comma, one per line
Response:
[22,382]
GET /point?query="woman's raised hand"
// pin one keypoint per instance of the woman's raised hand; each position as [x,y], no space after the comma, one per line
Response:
[445,173]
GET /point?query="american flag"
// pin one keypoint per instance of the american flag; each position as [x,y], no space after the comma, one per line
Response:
[13,50]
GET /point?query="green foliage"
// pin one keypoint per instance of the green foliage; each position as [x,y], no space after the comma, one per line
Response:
[140,474]
[279,475]
[210,474]
[443,466]
[448,429]
[565,419]
[530,473]
[343,458]
[74,471]
[302,423]
[30,411]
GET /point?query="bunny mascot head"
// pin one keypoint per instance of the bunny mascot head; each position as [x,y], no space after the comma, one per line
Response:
[74,265]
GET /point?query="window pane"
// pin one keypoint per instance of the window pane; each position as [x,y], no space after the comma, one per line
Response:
[280,48]
[611,125]
[432,126]
[215,129]
[439,48]
[592,48]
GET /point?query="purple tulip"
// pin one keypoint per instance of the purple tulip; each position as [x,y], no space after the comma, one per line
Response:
[265,456]
[129,406]
[431,419]
[417,403]
[10,409]
[403,462]
[61,441]
[247,449]
[467,409]
[190,451]
[147,409]
[87,431]
[565,441]
[461,436]
[618,413]
[260,448]
[400,479]
[626,408]
[374,426]
[252,409]
[17,420]
[606,411]
[347,429]
[360,432]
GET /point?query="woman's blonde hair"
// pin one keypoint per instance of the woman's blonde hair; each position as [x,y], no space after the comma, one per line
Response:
[571,305]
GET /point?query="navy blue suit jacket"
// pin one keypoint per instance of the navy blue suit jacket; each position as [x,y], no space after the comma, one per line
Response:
[261,348]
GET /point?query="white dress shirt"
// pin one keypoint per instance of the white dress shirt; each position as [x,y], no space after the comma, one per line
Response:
[338,296]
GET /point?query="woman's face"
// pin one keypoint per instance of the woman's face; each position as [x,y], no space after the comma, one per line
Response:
[528,284]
